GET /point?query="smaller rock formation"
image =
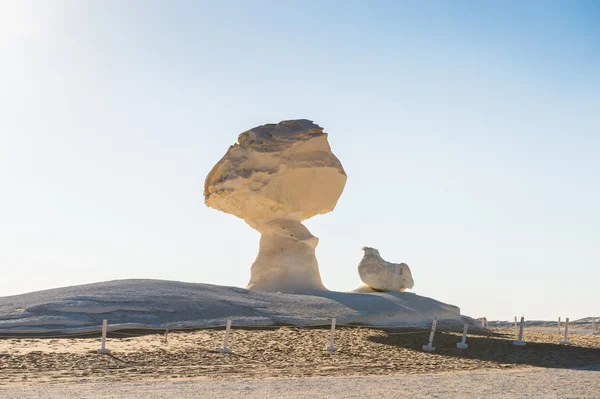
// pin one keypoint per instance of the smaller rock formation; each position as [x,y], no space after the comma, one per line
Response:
[380,275]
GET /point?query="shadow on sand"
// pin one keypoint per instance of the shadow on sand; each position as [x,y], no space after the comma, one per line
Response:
[498,348]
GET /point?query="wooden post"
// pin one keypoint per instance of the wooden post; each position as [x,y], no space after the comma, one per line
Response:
[103,350]
[559,325]
[429,347]
[224,348]
[331,347]
[565,341]
[463,344]
[519,342]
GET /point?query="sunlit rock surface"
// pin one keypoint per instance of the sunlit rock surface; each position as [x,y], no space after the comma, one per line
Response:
[139,304]
[275,177]
[380,275]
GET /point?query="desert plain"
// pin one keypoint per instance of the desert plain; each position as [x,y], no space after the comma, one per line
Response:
[282,352]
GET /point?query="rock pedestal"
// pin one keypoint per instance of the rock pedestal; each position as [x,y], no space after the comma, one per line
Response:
[286,260]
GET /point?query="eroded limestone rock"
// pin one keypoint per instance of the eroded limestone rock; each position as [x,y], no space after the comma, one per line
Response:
[381,275]
[277,176]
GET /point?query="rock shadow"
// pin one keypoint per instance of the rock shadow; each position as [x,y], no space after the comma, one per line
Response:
[498,348]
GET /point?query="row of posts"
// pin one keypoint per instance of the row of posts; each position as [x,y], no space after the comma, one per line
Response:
[565,340]
[330,348]
[427,348]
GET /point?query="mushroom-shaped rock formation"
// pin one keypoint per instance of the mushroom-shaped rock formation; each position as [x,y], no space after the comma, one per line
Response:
[381,275]
[275,177]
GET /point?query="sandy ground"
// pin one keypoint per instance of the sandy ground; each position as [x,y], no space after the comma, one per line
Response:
[286,352]
[532,383]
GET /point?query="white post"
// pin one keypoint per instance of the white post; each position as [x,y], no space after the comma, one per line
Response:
[519,342]
[559,325]
[331,347]
[565,341]
[224,348]
[516,327]
[103,350]
[463,343]
[429,347]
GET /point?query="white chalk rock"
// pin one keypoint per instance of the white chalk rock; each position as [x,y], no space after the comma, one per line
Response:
[275,177]
[381,275]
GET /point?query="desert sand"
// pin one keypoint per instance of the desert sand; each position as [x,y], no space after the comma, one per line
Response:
[283,352]
[532,383]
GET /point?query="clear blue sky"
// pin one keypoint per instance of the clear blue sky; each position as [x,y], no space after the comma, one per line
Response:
[470,133]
